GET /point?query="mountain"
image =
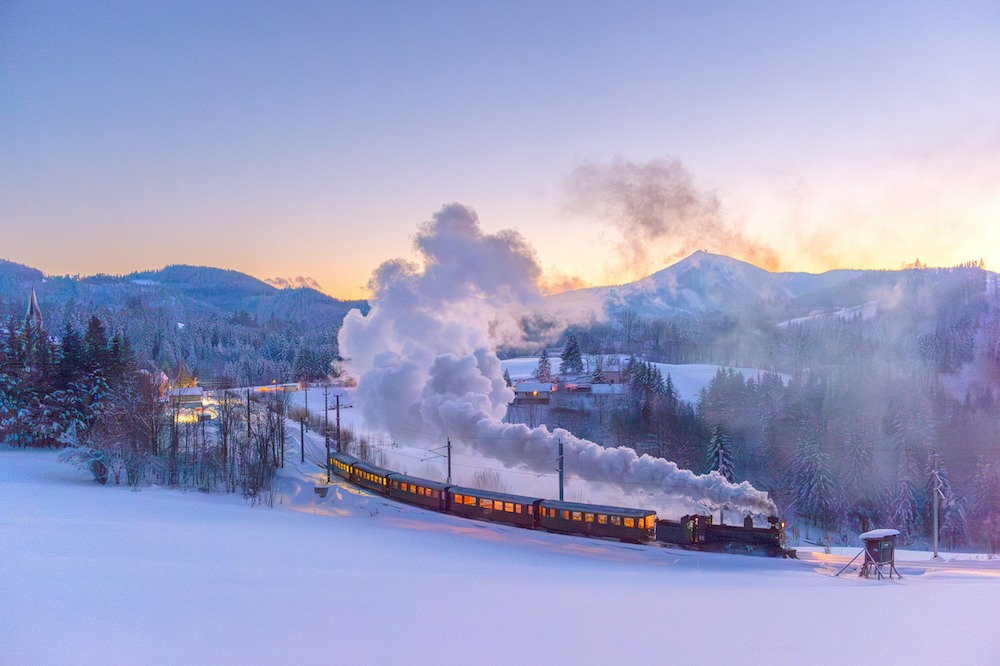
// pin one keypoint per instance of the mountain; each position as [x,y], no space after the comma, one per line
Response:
[212,321]
[188,291]
[704,283]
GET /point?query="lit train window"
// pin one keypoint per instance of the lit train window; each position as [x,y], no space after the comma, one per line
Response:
[470,500]
[404,487]
[508,507]
[589,517]
[577,515]
[630,522]
[602,519]
[615,520]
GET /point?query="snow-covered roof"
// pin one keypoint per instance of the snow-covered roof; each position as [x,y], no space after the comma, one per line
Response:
[879,534]
[606,389]
[195,391]
[533,386]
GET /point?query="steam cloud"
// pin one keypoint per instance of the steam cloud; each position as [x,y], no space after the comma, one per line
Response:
[655,208]
[426,366]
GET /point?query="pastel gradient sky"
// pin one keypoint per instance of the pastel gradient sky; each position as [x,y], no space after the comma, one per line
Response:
[311,138]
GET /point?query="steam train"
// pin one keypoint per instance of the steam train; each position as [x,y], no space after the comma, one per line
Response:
[696,532]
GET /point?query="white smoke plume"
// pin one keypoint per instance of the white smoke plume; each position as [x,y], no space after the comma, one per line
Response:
[656,214]
[427,369]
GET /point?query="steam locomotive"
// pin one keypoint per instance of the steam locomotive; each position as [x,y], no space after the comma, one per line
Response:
[593,520]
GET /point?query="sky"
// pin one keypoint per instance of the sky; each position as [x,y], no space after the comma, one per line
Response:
[313,138]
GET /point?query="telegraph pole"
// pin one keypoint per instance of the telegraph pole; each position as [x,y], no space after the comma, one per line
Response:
[248,417]
[326,430]
[937,494]
[449,460]
[561,470]
[339,450]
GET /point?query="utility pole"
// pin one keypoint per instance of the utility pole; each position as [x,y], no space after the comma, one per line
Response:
[449,460]
[561,470]
[326,430]
[248,417]
[937,494]
[307,404]
[339,450]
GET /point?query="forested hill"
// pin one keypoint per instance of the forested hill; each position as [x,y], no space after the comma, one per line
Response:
[214,321]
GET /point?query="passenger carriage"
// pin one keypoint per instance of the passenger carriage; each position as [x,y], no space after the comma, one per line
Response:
[422,492]
[496,507]
[341,464]
[372,477]
[635,525]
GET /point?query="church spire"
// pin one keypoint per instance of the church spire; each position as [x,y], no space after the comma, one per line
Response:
[34,317]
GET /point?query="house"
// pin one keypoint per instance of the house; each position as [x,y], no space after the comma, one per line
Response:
[533,392]
[186,398]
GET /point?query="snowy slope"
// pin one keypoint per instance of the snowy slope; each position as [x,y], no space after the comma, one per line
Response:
[688,379]
[97,575]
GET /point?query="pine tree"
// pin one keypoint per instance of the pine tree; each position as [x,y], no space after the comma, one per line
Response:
[543,372]
[572,359]
[95,346]
[817,495]
[599,376]
[719,454]
[506,378]
[71,361]
[906,503]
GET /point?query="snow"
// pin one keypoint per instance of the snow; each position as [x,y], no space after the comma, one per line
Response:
[688,379]
[96,575]
[879,534]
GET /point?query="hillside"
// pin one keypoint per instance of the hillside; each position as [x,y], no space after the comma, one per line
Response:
[162,576]
[214,321]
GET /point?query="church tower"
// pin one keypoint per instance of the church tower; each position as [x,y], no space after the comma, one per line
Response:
[33,320]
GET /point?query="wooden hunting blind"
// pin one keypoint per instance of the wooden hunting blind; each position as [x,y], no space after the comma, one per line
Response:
[879,553]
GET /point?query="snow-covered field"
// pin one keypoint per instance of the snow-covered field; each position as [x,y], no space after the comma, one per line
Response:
[106,575]
[688,379]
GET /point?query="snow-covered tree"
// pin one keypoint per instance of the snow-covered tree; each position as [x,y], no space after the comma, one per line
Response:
[817,495]
[719,454]
[572,359]
[543,372]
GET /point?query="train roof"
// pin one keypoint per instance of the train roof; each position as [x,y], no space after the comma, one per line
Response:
[504,497]
[596,508]
[372,469]
[437,485]
[345,458]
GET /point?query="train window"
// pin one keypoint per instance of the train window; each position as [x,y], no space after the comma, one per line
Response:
[470,500]
[602,519]
[565,515]
[486,503]
[508,507]
[517,508]
[404,487]
[458,499]
[615,520]
[630,522]
[577,515]
[434,494]
[589,517]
